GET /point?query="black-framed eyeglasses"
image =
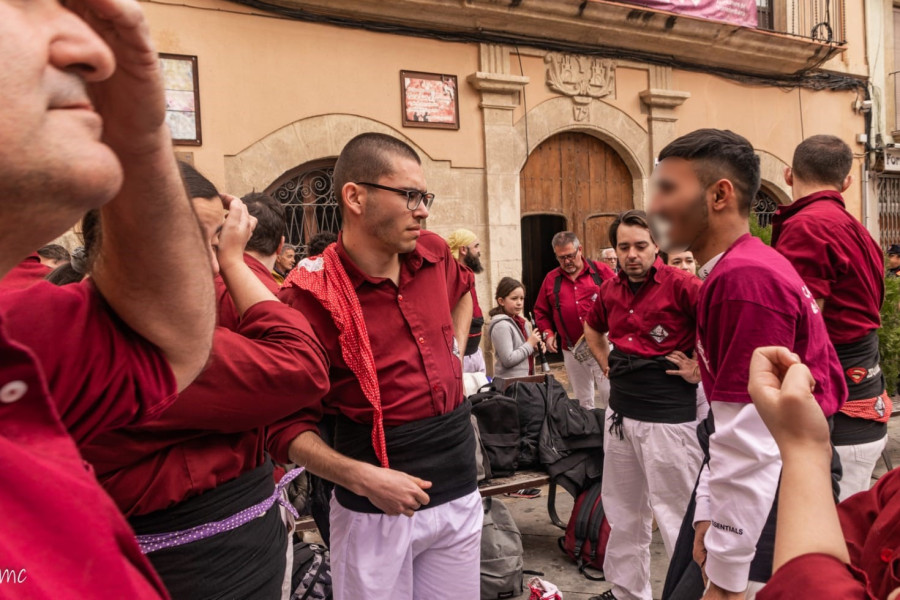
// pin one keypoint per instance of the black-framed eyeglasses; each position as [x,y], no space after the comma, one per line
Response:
[568,257]
[413,197]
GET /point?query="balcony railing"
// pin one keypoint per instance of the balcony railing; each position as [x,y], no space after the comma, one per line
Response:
[819,20]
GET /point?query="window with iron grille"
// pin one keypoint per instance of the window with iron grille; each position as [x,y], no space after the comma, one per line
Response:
[307,194]
[887,188]
[764,207]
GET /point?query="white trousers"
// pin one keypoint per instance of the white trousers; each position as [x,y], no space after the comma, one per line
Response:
[858,461]
[585,378]
[649,473]
[436,553]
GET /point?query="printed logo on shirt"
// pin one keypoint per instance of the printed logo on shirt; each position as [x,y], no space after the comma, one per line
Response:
[702,352]
[812,305]
[860,374]
[659,334]
[728,528]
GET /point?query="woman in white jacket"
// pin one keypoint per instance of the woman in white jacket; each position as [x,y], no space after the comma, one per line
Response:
[512,336]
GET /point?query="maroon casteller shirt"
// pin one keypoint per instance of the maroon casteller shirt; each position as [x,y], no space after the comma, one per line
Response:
[752,298]
[871,524]
[227,313]
[25,274]
[658,320]
[411,332]
[70,370]
[263,371]
[838,260]
[576,299]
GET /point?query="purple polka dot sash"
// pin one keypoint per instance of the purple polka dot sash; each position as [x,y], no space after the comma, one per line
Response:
[159,541]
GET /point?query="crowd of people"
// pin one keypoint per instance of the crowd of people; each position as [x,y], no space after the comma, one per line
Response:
[162,385]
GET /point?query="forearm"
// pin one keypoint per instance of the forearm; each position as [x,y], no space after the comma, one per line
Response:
[599,345]
[308,450]
[807,517]
[152,266]
[744,469]
[462,322]
[244,287]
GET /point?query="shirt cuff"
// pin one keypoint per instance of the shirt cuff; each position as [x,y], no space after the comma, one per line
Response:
[732,577]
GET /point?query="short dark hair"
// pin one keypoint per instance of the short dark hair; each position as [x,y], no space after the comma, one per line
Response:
[269,214]
[319,242]
[720,154]
[54,252]
[822,159]
[367,157]
[196,185]
[632,218]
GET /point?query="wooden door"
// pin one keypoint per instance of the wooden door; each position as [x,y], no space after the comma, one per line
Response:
[583,180]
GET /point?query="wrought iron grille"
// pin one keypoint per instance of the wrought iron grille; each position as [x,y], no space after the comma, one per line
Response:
[887,187]
[307,194]
[821,20]
[764,207]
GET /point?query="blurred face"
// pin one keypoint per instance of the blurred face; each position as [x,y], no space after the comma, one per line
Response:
[53,166]
[680,200]
[894,260]
[286,260]
[514,303]
[636,251]
[211,214]
[684,261]
[569,258]
[389,223]
[609,257]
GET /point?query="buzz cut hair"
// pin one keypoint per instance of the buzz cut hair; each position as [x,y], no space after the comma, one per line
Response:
[822,159]
[720,154]
[369,157]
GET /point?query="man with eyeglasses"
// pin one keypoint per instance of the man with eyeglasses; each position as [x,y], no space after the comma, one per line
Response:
[565,299]
[392,308]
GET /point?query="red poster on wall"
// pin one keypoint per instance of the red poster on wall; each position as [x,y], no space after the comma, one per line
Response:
[737,12]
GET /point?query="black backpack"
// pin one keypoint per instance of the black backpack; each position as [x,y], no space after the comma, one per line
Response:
[311,573]
[531,403]
[498,424]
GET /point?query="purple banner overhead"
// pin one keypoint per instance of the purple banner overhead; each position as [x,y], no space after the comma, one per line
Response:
[737,12]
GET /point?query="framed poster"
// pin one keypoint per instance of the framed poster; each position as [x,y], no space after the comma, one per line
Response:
[182,98]
[429,100]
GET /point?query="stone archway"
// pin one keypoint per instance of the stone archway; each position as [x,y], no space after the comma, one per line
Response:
[261,163]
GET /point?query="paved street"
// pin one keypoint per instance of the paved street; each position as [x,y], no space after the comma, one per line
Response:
[542,552]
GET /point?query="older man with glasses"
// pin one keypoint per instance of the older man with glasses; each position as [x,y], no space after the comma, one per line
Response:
[563,302]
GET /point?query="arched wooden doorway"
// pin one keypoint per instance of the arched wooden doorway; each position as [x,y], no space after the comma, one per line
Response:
[574,181]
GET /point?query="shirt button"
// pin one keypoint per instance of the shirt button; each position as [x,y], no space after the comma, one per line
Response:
[399,297]
[629,339]
[12,391]
[421,340]
[631,312]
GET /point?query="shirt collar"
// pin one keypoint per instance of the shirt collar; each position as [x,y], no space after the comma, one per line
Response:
[706,269]
[658,264]
[792,208]
[412,261]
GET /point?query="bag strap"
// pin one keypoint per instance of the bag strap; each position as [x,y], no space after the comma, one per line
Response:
[594,274]
[594,526]
[557,286]
[316,577]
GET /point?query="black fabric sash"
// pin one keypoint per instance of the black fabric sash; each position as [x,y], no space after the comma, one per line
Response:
[247,562]
[640,389]
[859,359]
[439,449]
[474,341]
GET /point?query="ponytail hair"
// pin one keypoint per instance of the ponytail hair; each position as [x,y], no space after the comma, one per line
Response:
[506,287]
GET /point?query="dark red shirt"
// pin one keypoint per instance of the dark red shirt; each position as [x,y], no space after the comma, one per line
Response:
[227,312]
[869,521]
[411,333]
[576,299]
[70,370]
[752,298]
[838,260]
[657,320]
[25,274]
[265,370]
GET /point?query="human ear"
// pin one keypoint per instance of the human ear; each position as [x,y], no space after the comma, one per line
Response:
[789,176]
[354,197]
[846,183]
